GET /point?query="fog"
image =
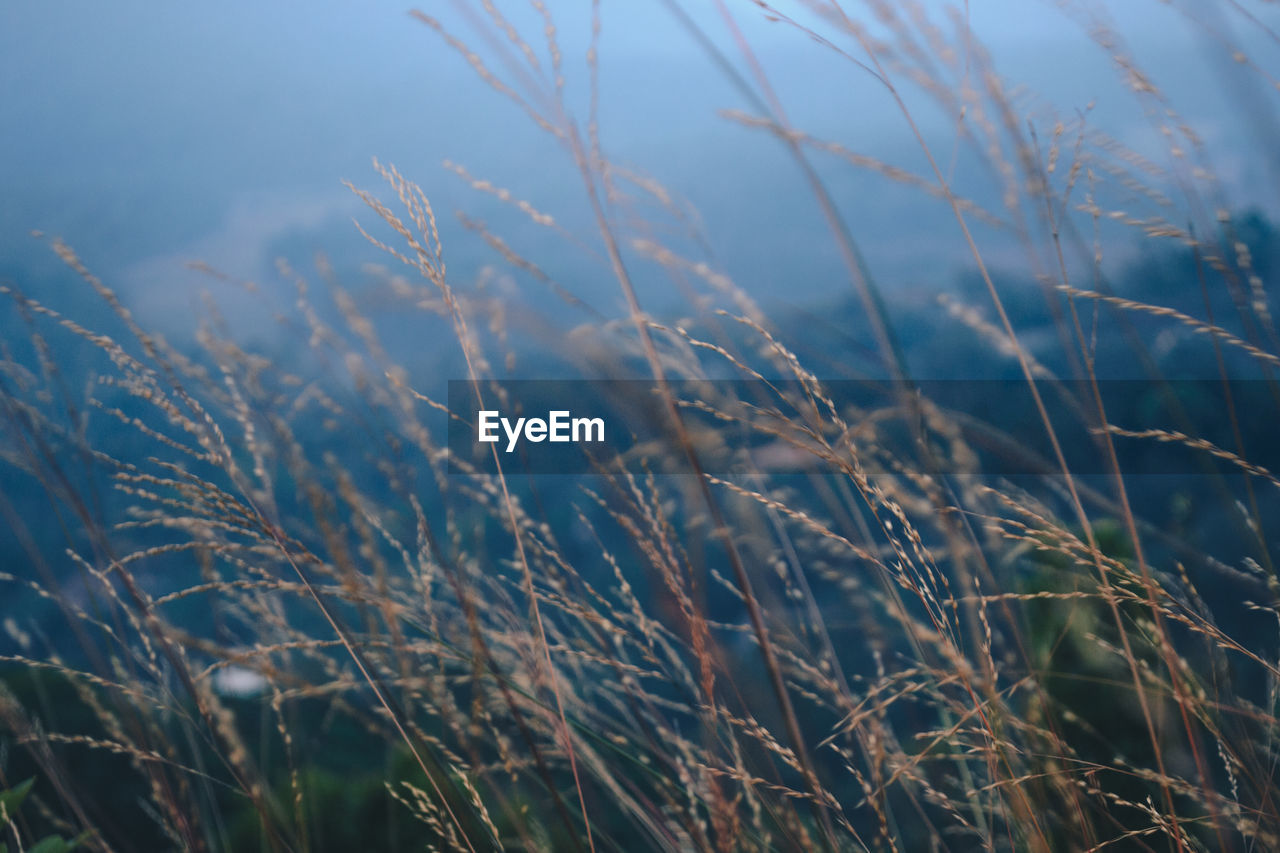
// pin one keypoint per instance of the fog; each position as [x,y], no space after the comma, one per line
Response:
[149,135]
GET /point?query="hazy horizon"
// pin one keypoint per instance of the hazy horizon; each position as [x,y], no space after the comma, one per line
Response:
[151,137]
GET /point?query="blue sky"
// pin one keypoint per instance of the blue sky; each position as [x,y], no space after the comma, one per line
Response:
[150,134]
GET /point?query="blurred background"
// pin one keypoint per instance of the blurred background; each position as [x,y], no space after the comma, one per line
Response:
[151,136]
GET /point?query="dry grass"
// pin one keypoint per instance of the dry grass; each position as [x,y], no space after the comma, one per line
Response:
[898,654]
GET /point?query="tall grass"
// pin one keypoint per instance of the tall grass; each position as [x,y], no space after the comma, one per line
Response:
[274,617]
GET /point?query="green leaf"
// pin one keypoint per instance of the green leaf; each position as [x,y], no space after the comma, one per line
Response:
[52,844]
[11,799]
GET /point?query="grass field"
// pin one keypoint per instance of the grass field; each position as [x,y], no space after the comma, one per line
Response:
[256,599]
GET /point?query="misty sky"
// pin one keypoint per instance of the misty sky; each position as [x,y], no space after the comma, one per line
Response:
[150,134]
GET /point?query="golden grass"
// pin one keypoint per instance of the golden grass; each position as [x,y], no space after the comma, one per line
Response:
[896,656]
